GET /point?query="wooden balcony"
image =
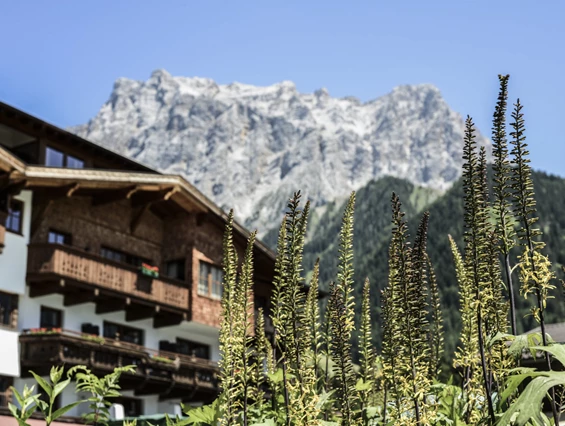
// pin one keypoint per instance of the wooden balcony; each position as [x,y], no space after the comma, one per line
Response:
[84,277]
[166,374]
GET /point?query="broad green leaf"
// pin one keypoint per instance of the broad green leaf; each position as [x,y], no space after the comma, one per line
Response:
[13,409]
[372,412]
[18,396]
[61,411]
[528,405]
[59,388]
[44,385]
[276,377]
[363,386]
[558,351]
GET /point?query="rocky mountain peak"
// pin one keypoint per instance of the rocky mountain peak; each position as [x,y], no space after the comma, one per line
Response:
[250,147]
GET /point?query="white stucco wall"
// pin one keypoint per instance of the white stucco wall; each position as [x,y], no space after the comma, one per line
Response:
[9,353]
[13,260]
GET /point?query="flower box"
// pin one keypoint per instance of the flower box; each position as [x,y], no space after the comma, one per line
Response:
[151,271]
[43,330]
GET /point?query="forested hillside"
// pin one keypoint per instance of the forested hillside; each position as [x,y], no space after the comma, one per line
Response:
[372,236]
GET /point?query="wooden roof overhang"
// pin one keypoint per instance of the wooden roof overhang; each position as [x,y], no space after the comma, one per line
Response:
[143,185]
[173,192]
[37,128]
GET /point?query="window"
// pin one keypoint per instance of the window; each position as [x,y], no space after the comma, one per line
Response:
[15,216]
[8,305]
[51,318]
[186,347]
[74,163]
[56,158]
[133,407]
[56,237]
[123,332]
[120,256]
[175,269]
[210,282]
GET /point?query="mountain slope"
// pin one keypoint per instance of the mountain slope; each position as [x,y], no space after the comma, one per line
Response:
[372,236]
[250,147]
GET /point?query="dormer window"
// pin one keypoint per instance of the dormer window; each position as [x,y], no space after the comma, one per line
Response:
[56,158]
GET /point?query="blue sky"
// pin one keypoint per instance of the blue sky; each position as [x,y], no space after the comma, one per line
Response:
[59,59]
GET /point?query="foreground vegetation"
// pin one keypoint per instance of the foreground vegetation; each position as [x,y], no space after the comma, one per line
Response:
[307,373]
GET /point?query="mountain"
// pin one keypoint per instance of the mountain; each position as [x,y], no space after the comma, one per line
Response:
[372,232]
[251,147]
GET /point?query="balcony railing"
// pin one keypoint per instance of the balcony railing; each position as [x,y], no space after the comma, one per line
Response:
[157,372]
[59,262]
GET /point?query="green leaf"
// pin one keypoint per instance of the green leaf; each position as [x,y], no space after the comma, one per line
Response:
[372,412]
[528,405]
[363,386]
[206,414]
[276,377]
[44,385]
[61,411]
[18,396]
[13,409]
[43,406]
[59,388]
[56,374]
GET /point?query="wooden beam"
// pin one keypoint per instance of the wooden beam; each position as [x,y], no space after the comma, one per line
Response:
[78,298]
[38,289]
[57,192]
[138,312]
[108,197]
[150,197]
[5,179]
[153,385]
[105,306]
[167,319]
[72,190]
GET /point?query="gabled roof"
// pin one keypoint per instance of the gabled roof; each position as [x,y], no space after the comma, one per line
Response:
[175,187]
[27,123]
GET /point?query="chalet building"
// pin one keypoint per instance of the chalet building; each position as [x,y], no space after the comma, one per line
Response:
[105,262]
